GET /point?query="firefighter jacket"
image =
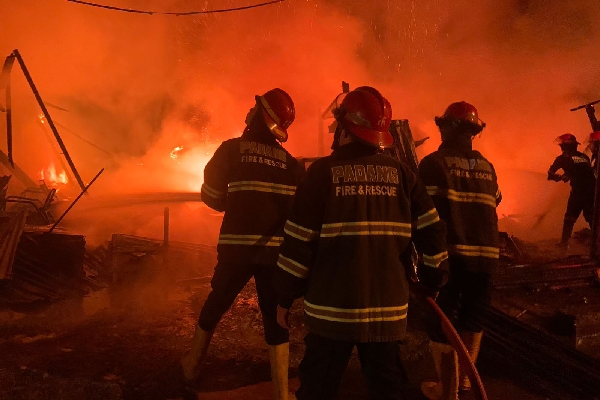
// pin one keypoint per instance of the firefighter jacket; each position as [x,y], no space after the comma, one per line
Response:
[577,168]
[464,188]
[351,225]
[254,183]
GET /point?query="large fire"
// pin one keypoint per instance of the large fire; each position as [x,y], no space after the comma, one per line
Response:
[190,165]
[128,80]
[52,177]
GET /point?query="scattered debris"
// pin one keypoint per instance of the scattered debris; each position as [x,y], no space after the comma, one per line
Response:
[31,384]
[575,271]
[134,256]
[47,268]
[31,339]
[111,377]
[509,249]
[11,228]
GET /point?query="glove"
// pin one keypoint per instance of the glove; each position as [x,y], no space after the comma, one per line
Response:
[429,292]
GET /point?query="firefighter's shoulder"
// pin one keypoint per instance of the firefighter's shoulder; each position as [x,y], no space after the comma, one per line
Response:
[482,160]
[583,155]
[478,154]
[429,160]
[228,145]
[293,161]
[319,166]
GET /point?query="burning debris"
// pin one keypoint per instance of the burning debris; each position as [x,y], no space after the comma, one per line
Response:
[433,57]
[175,151]
[38,265]
[53,178]
[5,82]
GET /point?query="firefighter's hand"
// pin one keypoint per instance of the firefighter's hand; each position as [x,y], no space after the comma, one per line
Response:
[433,294]
[554,177]
[564,178]
[423,291]
[283,317]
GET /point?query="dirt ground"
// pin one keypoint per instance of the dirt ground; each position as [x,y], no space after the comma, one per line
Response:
[126,344]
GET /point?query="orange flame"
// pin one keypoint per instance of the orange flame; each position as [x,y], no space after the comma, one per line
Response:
[53,178]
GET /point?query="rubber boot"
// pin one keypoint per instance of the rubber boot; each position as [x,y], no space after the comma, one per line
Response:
[566,232]
[279,357]
[472,341]
[446,365]
[191,361]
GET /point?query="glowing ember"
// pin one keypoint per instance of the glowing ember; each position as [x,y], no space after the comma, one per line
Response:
[53,178]
[175,151]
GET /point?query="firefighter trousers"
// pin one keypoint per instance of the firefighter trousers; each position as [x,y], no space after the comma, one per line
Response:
[227,282]
[580,201]
[325,360]
[461,299]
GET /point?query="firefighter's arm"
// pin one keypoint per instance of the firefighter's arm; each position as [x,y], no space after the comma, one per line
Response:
[299,173]
[429,235]
[498,191]
[429,231]
[300,240]
[216,180]
[552,175]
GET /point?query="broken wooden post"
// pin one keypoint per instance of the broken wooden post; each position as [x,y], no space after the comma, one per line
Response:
[49,119]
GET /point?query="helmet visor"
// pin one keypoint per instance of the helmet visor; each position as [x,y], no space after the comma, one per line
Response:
[330,112]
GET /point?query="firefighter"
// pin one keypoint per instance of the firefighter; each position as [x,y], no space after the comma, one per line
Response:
[592,147]
[464,188]
[252,179]
[577,170]
[351,225]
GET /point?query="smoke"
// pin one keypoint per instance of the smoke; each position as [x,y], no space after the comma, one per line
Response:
[139,86]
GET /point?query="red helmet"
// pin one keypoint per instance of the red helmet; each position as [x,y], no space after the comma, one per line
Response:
[278,110]
[595,136]
[566,139]
[367,116]
[461,113]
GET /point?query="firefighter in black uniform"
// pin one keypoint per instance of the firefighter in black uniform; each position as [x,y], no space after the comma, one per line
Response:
[577,170]
[253,179]
[594,142]
[351,225]
[464,188]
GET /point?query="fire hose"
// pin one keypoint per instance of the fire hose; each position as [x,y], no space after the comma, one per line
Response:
[464,359]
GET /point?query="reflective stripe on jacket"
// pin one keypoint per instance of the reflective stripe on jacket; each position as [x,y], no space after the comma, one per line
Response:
[464,188]
[254,184]
[346,244]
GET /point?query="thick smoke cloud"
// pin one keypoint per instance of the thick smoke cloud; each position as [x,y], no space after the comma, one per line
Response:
[138,86]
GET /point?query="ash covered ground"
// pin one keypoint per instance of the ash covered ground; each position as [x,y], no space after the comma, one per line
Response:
[125,341]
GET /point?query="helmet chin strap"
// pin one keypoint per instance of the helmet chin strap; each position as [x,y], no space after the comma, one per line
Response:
[336,136]
[341,136]
[345,137]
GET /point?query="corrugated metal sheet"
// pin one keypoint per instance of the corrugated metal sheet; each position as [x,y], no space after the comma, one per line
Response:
[11,227]
[538,356]
[47,267]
